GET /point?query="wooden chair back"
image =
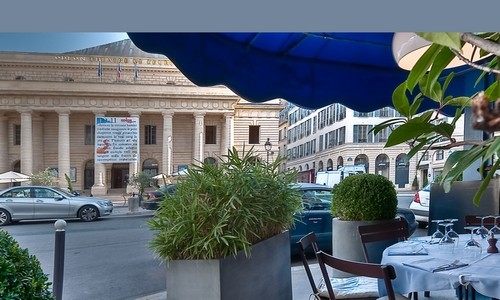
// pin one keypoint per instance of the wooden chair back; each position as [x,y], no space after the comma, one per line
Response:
[385,234]
[384,272]
[475,220]
[308,241]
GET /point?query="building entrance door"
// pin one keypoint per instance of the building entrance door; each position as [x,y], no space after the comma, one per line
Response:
[119,174]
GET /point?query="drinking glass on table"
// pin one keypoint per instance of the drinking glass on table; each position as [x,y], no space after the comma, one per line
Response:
[450,235]
[495,230]
[483,231]
[471,245]
[437,235]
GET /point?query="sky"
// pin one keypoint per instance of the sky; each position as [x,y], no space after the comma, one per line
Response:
[56,42]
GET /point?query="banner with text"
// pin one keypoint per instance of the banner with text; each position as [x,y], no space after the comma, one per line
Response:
[116,139]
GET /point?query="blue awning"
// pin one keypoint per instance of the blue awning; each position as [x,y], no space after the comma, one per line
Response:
[311,70]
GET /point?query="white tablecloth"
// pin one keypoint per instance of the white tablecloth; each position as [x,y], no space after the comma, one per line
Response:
[483,271]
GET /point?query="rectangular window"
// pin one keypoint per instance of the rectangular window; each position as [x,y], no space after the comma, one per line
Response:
[150,135]
[89,135]
[253,134]
[17,135]
[361,134]
[210,135]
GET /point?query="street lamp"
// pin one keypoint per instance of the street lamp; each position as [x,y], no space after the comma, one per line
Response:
[268,146]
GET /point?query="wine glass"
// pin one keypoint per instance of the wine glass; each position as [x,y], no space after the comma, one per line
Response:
[446,239]
[437,235]
[471,245]
[495,230]
[482,231]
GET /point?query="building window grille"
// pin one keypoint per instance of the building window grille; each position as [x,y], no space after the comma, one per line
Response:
[210,135]
[253,134]
[89,135]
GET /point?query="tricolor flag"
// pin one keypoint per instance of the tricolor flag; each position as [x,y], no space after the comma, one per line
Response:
[119,71]
[99,70]
[136,71]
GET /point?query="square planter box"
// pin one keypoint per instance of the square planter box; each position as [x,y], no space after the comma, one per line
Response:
[266,274]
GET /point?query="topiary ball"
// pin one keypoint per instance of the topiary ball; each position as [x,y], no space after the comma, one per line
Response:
[364,197]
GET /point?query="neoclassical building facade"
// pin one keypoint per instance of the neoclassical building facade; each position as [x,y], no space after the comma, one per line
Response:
[49,104]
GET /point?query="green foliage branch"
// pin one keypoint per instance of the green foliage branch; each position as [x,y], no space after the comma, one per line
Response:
[219,210]
[21,275]
[45,178]
[428,81]
[364,197]
[141,181]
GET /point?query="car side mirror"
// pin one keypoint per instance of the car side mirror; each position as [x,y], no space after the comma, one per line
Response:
[58,198]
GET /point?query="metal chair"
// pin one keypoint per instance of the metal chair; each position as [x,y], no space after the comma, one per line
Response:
[377,271]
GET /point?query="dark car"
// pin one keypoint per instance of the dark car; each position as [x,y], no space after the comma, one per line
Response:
[154,198]
[316,216]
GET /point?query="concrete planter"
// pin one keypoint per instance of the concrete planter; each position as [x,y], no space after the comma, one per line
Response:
[266,274]
[133,205]
[346,242]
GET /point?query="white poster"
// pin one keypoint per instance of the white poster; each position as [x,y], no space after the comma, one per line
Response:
[116,139]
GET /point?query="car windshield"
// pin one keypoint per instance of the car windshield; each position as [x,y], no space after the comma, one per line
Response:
[317,199]
[427,188]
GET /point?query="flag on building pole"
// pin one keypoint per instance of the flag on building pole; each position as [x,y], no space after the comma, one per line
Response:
[99,70]
[136,71]
[119,71]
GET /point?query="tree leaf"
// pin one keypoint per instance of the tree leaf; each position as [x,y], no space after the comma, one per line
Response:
[400,101]
[444,57]
[408,131]
[377,128]
[447,39]
[444,129]
[421,67]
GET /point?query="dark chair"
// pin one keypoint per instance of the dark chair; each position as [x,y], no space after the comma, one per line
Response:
[308,244]
[474,220]
[382,272]
[382,235]
[375,238]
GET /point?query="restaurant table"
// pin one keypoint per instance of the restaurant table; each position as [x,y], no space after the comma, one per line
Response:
[414,260]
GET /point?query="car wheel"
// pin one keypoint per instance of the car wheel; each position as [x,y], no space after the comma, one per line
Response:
[4,217]
[88,213]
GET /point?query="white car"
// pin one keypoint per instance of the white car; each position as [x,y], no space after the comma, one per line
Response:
[420,205]
[44,202]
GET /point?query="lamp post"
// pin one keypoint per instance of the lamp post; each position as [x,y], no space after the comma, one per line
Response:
[268,146]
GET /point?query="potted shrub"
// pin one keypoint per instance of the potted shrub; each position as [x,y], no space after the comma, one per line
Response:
[359,200]
[140,181]
[21,276]
[224,231]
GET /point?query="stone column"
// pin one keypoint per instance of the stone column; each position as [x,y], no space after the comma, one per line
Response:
[99,188]
[63,153]
[166,161]
[228,134]
[26,141]
[198,141]
[4,145]
[38,144]
[133,166]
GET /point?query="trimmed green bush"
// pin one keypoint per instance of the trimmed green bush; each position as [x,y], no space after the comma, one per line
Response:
[364,197]
[21,276]
[219,210]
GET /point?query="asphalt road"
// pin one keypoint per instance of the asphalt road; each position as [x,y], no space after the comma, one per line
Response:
[108,259]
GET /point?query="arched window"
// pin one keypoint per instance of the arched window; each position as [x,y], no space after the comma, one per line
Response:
[150,166]
[340,162]
[362,159]
[210,161]
[402,170]
[329,165]
[320,166]
[382,165]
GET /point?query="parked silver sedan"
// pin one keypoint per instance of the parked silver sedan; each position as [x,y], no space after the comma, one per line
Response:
[43,202]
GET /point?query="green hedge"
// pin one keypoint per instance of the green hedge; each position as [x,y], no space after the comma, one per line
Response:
[21,276]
